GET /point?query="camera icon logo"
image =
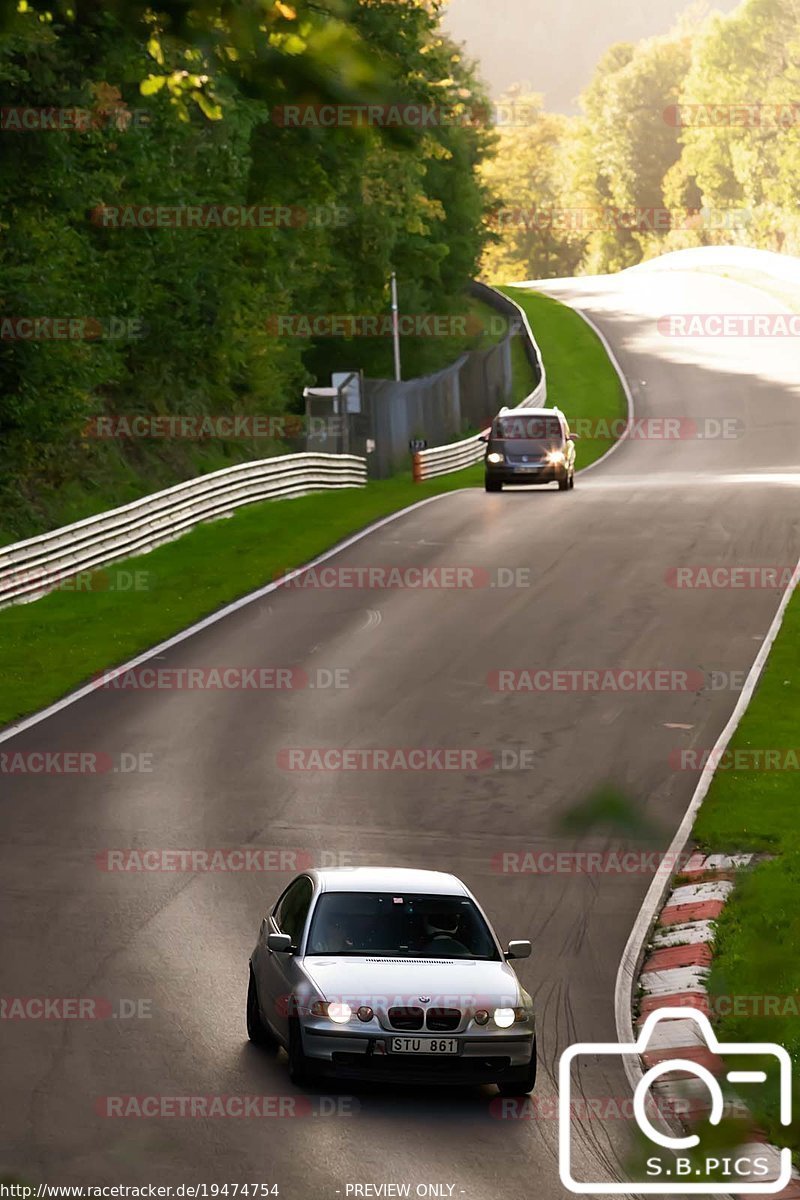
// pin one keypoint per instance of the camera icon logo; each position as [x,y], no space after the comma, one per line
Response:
[744,1173]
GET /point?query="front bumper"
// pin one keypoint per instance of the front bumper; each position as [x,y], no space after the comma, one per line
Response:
[492,1057]
[510,473]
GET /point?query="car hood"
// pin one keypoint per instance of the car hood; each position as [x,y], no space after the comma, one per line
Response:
[384,982]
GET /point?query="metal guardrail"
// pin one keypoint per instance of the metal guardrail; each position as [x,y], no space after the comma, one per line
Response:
[31,568]
[442,460]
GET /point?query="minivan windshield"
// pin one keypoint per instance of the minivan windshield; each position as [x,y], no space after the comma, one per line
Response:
[389,925]
[528,429]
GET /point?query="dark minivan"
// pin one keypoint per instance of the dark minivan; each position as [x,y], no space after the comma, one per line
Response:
[530,446]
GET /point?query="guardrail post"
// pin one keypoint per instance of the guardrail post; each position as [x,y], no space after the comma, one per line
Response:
[417,468]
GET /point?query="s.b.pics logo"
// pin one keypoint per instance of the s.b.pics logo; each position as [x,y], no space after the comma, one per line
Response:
[677,1163]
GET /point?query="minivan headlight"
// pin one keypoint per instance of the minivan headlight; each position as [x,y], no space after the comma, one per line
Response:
[494,457]
[556,457]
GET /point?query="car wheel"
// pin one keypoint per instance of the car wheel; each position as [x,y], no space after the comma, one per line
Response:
[301,1072]
[526,1083]
[572,480]
[563,484]
[493,486]
[257,1031]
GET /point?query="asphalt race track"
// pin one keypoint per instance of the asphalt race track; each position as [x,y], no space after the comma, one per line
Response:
[597,563]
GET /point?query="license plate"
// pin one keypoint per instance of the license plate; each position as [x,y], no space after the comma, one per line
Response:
[413,1045]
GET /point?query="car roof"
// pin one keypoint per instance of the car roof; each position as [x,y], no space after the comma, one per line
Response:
[530,412]
[389,879]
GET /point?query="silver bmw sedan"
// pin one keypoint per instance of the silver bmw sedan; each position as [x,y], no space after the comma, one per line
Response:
[390,974]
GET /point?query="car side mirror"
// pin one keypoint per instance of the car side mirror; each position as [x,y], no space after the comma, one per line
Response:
[279,943]
[483,437]
[519,950]
[574,437]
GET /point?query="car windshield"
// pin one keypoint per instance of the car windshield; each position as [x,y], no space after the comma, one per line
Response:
[391,925]
[528,429]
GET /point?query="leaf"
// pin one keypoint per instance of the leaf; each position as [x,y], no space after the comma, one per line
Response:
[154,49]
[206,105]
[153,84]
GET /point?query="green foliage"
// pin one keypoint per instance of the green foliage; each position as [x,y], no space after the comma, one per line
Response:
[684,140]
[182,101]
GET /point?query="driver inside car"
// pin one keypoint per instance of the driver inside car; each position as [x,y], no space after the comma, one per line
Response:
[331,937]
[441,931]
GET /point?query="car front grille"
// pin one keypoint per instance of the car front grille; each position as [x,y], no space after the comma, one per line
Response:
[406,1018]
[443,1020]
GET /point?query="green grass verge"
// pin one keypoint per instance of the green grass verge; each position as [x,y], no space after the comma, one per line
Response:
[580,378]
[756,972]
[51,646]
[758,810]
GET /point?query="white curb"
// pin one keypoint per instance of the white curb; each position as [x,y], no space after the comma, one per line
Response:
[674,980]
[700,893]
[683,935]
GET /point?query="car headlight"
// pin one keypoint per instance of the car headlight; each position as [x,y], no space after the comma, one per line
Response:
[505,1017]
[494,457]
[339,1013]
[556,457]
